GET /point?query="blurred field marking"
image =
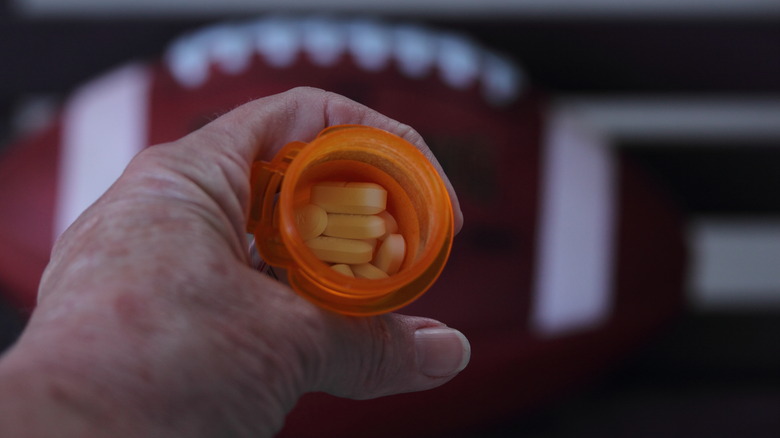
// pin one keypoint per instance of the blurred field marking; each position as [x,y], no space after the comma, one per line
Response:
[735,263]
[700,118]
[104,127]
[574,256]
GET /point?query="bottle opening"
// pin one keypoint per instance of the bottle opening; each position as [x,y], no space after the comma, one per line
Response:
[416,198]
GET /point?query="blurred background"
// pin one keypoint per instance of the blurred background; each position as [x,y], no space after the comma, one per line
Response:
[688,92]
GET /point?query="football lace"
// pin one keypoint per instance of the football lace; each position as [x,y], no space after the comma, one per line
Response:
[416,51]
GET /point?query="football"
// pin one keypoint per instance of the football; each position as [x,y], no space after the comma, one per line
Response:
[569,257]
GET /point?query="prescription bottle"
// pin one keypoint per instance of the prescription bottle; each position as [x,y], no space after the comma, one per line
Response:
[416,196]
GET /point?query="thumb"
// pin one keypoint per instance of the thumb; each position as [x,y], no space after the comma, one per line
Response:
[391,354]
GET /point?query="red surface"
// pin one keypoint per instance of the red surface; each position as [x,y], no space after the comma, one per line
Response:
[28,178]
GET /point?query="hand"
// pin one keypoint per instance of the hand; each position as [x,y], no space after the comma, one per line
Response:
[151,323]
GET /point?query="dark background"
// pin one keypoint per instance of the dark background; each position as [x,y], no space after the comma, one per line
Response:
[711,374]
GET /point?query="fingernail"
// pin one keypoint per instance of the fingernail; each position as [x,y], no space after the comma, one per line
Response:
[441,351]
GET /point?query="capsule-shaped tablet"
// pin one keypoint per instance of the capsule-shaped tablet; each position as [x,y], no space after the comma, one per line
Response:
[354,226]
[349,197]
[343,269]
[390,254]
[338,250]
[369,271]
[391,225]
[311,221]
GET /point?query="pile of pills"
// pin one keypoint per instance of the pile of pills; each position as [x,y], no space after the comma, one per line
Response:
[346,225]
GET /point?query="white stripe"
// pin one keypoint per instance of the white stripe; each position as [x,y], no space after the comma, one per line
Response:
[104,127]
[668,120]
[734,263]
[573,289]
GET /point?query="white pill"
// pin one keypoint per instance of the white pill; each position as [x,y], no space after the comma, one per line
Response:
[354,226]
[311,221]
[349,197]
[369,271]
[337,250]
[341,268]
[391,225]
[390,254]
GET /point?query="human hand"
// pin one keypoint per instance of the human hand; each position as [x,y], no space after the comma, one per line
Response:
[150,321]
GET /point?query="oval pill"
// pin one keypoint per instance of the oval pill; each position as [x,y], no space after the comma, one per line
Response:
[369,271]
[390,254]
[341,268]
[349,197]
[311,221]
[391,225]
[338,250]
[354,226]
[371,242]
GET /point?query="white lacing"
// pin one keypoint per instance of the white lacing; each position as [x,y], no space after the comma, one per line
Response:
[416,51]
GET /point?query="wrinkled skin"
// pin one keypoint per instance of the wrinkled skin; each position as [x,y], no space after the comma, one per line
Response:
[151,323]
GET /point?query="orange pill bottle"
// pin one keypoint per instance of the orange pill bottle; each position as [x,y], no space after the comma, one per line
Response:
[416,197]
